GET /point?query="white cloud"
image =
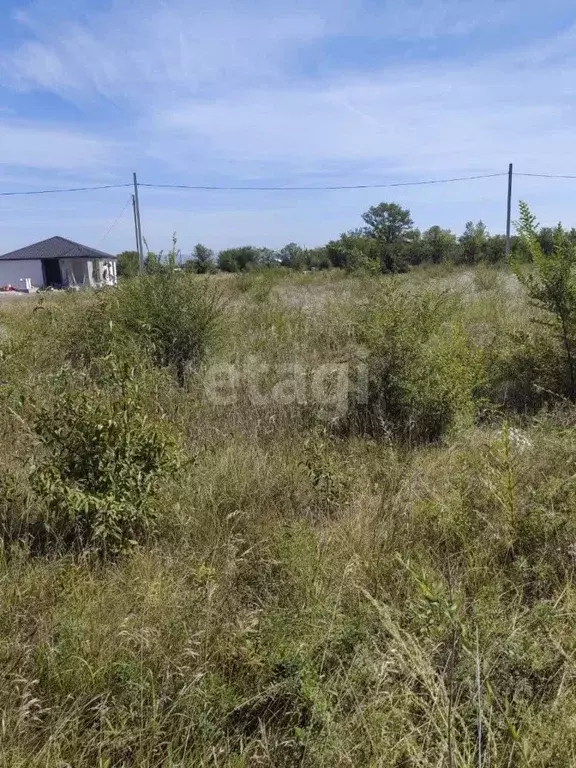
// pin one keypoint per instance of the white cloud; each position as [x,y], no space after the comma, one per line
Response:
[445,121]
[137,53]
[24,145]
[154,51]
[228,93]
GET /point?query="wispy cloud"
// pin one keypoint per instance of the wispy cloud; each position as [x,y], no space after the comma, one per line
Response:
[159,50]
[223,92]
[57,149]
[450,119]
[177,48]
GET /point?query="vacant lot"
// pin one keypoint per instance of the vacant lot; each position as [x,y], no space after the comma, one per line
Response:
[287,520]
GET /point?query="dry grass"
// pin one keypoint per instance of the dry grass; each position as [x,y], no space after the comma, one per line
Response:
[318,597]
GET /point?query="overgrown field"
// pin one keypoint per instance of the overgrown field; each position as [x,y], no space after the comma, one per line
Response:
[287,520]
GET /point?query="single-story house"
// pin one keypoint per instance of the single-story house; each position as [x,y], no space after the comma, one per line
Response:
[59,263]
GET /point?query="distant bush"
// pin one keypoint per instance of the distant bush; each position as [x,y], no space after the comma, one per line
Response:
[239,259]
[100,468]
[294,256]
[128,264]
[355,251]
[202,261]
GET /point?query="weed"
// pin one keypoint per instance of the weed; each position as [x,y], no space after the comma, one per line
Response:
[392,589]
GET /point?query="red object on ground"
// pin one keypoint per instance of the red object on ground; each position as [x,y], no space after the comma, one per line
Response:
[7,288]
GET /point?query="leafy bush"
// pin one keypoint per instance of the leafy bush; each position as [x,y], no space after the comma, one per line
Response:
[551,284]
[355,251]
[128,264]
[102,464]
[524,370]
[174,315]
[169,316]
[202,261]
[424,373]
[239,259]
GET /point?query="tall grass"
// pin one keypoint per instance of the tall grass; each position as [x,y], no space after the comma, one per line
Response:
[393,586]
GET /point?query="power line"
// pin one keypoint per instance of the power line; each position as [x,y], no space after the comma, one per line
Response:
[316,188]
[545,175]
[114,224]
[207,187]
[70,189]
[215,188]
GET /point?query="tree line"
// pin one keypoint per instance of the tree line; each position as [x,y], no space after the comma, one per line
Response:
[388,242]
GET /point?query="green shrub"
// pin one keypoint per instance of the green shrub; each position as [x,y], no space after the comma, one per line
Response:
[423,371]
[174,315]
[551,285]
[524,370]
[101,465]
[239,259]
[128,264]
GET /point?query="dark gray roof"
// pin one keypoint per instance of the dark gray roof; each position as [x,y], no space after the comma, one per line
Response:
[55,248]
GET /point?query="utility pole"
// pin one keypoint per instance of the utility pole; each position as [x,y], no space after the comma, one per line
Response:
[138,226]
[509,210]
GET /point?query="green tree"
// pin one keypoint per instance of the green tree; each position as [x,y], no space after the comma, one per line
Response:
[238,259]
[439,245]
[495,249]
[293,256]
[551,284]
[317,258]
[267,257]
[546,240]
[390,225]
[128,263]
[202,261]
[473,243]
[153,263]
[354,250]
[413,249]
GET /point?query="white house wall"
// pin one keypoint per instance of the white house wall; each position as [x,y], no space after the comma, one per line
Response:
[12,271]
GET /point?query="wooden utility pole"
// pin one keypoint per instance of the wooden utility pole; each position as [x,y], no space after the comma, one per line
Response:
[138,226]
[509,210]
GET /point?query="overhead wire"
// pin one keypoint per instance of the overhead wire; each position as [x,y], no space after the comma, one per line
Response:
[248,188]
[287,188]
[105,235]
[68,189]
[546,175]
[320,188]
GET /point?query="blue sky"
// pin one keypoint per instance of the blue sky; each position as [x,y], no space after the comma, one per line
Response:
[280,93]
